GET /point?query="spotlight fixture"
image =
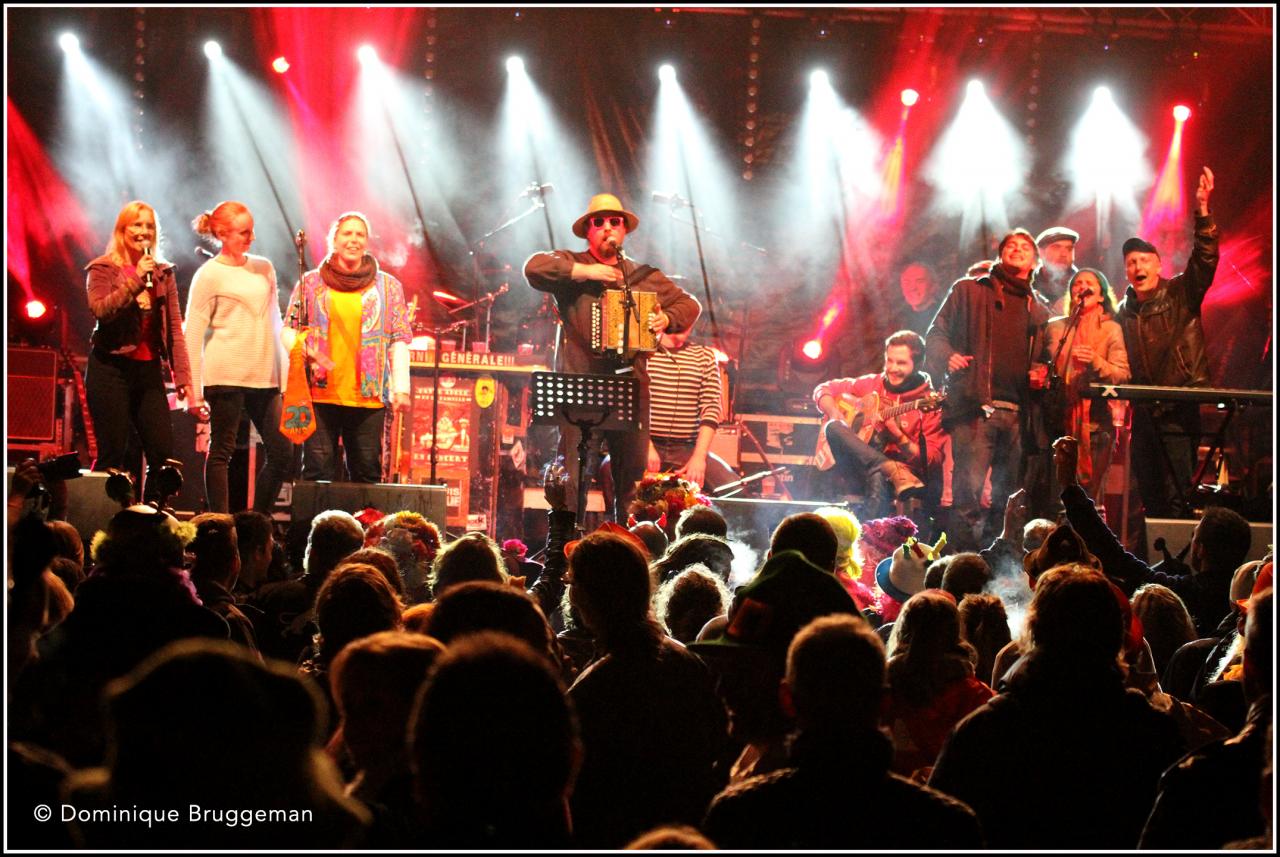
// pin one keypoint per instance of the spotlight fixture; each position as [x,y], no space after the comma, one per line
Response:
[975,87]
[1181,112]
[1102,93]
[818,77]
[666,73]
[812,349]
[212,49]
[280,65]
[909,97]
[515,65]
[36,309]
[366,54]
[68,42]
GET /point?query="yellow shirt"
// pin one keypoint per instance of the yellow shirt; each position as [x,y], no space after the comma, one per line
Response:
[345,316]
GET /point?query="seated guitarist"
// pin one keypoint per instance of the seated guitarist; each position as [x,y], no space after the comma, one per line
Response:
[866,444]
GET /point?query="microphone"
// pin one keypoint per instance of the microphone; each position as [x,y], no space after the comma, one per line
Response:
[535,189]
[203,252]
[674,200]
[146,251]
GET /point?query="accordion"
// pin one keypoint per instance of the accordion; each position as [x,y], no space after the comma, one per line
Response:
[608,317]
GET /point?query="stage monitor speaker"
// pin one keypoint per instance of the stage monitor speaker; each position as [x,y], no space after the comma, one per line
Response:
[33,394]
[753,520]
[1176,533]
[312,498]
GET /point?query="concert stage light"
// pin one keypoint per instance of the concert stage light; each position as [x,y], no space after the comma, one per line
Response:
[212,49]
[280,65]
[909,97]
[68,42]
[812,349]
[1181,112]
[818,77]
[366,54]
[666,73]
[979,162]
[35,309]
[515,65]
[1107,165]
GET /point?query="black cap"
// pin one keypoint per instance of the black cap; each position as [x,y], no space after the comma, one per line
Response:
[1137,245]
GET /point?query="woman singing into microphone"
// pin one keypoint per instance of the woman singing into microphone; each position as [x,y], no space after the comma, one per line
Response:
[237,360]
[134,297]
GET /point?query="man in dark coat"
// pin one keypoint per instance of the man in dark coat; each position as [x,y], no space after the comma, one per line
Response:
[1162,333]
[577,280]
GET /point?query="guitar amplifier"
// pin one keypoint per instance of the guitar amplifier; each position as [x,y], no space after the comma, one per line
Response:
[33,395]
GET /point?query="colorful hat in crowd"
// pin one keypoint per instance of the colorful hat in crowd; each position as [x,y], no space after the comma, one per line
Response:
[901,575]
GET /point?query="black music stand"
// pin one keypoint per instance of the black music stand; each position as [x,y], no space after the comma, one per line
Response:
[604,402]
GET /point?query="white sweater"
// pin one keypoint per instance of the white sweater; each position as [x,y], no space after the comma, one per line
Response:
[233,326]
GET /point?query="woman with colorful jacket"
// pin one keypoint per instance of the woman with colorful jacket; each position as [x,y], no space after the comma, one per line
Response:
[357,332]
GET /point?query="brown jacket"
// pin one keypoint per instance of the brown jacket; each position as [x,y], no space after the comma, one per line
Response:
[113,301]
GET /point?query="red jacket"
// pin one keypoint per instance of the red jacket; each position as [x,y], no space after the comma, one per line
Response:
[851,389]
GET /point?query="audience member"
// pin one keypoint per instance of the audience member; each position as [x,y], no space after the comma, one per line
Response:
[1065,740]
[838,791]
[984,624]
[374,681]
[479,782]
[966,574]
[256,544]
[482,605]
[385,563]
[1219,544]
[1209,797]
[711,552]
[201,723]
[214,569]
[811,535]
[1166,624]
[652,726]
[671,837]
[702,519]
[931,681]
[686,602]
[288,607]
[848,571]
[655,540]
[474,556]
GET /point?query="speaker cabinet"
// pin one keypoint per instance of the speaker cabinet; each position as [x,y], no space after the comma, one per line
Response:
[33,394]
[312,498]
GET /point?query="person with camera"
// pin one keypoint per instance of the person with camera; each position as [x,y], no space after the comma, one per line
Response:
[133,294]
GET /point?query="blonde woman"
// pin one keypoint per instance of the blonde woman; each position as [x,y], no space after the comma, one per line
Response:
[133,294]
[237,360]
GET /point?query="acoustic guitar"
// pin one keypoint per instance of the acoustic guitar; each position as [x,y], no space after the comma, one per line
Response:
[867,416]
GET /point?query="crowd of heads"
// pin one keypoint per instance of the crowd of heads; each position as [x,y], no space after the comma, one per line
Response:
[409,690]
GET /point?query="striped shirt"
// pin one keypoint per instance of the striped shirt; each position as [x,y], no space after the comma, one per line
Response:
[684,391]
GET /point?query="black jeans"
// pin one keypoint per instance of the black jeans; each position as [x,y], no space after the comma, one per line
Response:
[262,405]
[360,430]
[121,394]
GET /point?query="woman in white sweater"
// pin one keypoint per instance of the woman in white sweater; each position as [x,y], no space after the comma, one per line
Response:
[237,363]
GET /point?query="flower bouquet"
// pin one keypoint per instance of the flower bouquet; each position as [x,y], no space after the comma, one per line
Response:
[661,498]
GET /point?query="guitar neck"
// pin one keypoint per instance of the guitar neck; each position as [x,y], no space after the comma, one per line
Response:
[898,410]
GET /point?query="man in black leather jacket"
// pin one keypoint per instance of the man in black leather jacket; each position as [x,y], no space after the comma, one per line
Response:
[1165,341]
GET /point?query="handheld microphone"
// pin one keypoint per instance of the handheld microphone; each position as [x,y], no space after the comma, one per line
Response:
[203,252]
[146,251]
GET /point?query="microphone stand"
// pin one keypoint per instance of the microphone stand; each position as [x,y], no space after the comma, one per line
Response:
[487,301]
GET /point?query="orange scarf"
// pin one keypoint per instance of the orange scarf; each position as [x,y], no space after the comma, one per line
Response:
[1075,375]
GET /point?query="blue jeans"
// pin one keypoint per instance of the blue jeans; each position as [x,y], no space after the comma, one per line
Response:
[978,443]
[360,430]
[262,405]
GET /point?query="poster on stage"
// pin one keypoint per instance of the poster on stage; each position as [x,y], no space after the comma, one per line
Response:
[453,436]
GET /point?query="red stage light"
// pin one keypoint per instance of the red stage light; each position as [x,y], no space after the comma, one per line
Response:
[36,309]
[280,65]
[909,97]
[812,349]
[447,297]
[1181,112]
